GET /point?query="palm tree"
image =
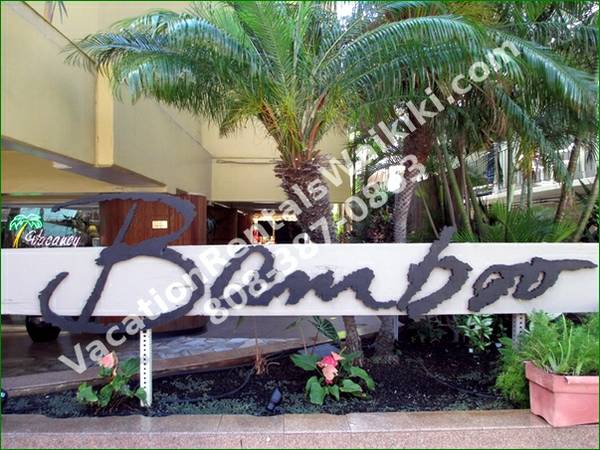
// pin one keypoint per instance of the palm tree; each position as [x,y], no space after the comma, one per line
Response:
[507,104]
[21,222]
[294,67]
[301,71]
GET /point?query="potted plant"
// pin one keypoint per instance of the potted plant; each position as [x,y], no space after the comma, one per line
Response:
[559,359]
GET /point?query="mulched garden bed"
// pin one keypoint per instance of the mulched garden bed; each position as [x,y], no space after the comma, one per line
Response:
[443,376]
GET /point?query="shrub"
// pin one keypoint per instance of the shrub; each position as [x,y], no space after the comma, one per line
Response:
[335,375]
[558,346]
[477,330]
[427,330]
[117,389]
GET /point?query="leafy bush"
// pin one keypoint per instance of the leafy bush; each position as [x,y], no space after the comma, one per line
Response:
[535,224]
[427,330]
[335,375]
[117,389]
[477,329]
[558,346]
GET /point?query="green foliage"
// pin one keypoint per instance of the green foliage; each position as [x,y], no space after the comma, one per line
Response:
[326,328]
[345,378]
[534,224]
[477,329]
[558,346]
[117,388]
[305,361]
[86,394]
[590,232]
[427,330]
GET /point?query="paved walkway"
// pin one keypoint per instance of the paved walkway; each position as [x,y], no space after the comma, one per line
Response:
[457,429]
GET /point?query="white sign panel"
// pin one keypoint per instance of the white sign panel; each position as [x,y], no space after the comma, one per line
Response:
[326,279]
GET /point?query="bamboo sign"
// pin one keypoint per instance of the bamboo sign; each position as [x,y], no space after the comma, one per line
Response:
[158,283]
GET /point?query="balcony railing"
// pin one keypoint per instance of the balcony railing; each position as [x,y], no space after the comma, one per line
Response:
[494,165]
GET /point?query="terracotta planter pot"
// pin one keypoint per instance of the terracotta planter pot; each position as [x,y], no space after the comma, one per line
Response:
[562,400]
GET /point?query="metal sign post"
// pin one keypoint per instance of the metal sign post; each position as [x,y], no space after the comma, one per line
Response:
[146,364]
[518,325]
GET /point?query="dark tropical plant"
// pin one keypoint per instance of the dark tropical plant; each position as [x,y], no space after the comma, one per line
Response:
[477,329]
[535,224]
[336,376]
[587,228]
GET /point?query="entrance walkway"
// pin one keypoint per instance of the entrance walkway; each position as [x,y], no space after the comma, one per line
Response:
[443,429]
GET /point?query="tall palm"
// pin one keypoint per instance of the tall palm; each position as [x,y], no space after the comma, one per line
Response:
[295,67]
[301,71]
[509,102]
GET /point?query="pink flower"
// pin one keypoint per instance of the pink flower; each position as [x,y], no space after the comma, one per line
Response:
[328,366]
[109,361]
[327,361]
[329,372]
[337,357]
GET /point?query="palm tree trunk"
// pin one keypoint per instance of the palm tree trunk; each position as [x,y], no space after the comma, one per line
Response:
[449,202]
[428,213]
[510,171]
[315,219]
[523,190]
[477,213]
[315,213]
[463,175]
[18,236]
[353,342]
[456,191]
[419,144]
[587,212]
[529,189]
[566,190]
[402,201]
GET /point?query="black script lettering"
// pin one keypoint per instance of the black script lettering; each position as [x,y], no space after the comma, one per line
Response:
[529,274]
[120,251]
[418,274]
[298,283]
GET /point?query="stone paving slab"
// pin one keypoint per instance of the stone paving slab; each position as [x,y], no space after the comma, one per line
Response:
[444,429]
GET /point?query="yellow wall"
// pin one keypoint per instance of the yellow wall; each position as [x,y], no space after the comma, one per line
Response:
[149,140]
[45,102]
[59,108]
[243,165]
[54,107]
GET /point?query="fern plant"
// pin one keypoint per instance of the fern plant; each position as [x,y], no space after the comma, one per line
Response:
[559,346]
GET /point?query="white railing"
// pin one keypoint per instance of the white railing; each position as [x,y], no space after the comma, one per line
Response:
[585,169]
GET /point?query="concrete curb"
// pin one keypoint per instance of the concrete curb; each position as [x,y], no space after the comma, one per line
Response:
[456,429]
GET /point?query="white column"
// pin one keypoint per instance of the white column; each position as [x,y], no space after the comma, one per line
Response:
[146,364]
